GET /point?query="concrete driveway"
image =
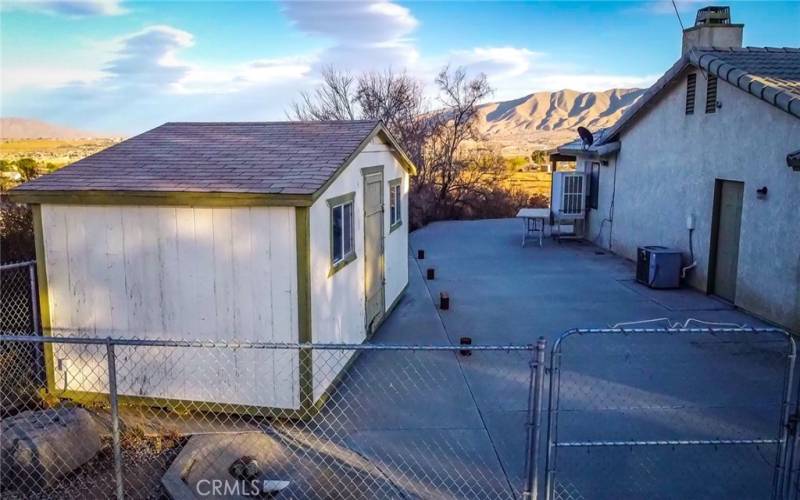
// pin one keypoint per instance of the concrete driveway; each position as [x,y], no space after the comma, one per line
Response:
[459,430]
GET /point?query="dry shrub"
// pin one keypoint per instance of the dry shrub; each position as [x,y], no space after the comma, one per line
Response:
[16,232]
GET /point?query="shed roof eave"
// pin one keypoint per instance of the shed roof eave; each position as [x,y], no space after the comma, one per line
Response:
[394,147]
[158,198]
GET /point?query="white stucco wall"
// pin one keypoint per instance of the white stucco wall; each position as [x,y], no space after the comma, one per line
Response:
[175,273]
[598,220]
[338,300]
[667,168]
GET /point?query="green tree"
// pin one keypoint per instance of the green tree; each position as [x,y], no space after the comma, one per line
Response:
[28,169]
[540,157]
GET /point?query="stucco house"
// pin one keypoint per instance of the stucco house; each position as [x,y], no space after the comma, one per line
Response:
[285,232]
[707,162]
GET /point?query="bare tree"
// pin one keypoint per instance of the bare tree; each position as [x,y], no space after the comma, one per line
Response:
[398,100]
[395,98]
[448,173]
[446,159]
[333,100]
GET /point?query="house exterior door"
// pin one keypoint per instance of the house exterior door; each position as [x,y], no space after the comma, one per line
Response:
[373,247]
[728,216]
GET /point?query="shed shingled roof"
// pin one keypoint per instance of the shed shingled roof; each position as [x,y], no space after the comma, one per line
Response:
[292,158]
[769,73]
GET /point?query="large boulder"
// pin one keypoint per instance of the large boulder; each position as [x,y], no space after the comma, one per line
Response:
[39,447]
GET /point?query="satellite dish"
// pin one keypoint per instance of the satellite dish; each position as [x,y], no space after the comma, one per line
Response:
[586,137]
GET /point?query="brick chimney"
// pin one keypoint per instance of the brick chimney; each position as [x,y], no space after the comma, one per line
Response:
[712,28]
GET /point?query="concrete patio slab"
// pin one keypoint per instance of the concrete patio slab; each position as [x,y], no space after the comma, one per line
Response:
[441,464]
[435,424]
[679,300]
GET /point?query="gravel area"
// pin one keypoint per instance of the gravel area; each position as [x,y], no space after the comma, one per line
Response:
[145,459]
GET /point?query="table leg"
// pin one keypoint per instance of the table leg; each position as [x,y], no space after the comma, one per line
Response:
[541,232]
[524,230]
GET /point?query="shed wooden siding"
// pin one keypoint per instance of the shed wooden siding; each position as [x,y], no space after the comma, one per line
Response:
[176,272]
[338,301]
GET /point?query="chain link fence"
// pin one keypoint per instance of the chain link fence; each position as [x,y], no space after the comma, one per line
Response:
[155,418]
[21,371]
[682,413]
[18,304]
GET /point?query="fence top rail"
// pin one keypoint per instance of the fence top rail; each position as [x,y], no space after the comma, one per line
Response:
[104,341]
[670,331]
[16,265]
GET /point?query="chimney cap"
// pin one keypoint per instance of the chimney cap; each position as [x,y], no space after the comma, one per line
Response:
[713,15]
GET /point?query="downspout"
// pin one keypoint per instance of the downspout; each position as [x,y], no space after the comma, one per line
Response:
[611,209]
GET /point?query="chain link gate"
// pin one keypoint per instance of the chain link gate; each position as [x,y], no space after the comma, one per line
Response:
[670,413]
[19,315]
[332,421]
[19,308]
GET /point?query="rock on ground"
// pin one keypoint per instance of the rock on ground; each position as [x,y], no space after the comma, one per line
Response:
[38,447]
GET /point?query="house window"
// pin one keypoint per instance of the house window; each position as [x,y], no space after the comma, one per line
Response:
[594,184]
[395,204]
[711,94]
[691,83]
[343,250]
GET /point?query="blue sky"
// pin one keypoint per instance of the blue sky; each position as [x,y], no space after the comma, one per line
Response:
[117,66]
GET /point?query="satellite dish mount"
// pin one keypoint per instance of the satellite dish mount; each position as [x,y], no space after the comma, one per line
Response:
[587,139]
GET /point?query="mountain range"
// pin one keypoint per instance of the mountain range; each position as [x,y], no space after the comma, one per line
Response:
[28,128]
[543,120]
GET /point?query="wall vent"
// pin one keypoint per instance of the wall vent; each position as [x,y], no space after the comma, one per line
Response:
[691,83]
[711,94]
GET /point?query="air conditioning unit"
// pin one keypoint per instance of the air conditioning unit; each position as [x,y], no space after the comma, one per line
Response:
[658,267]
[569,195]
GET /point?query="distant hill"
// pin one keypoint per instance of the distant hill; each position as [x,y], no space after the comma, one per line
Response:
[28,128]
[544,120]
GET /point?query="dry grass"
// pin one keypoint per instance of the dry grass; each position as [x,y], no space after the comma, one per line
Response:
[59,152]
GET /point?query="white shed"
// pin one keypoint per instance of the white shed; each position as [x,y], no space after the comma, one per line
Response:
[265,232]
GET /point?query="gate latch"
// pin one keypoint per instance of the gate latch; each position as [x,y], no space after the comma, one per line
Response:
[791,423]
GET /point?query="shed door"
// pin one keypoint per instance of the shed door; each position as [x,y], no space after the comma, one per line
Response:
[373,249]
[729,220]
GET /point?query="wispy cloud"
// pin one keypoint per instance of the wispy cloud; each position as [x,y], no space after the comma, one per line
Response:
[70,8]
[363,34]
[146,81]
[135,81]
[666,7]
[517,71]
[150,58]
[500,62]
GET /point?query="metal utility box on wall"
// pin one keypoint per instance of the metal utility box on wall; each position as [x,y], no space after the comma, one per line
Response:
[568,204]
[569,195]
[658,267]
[270,249]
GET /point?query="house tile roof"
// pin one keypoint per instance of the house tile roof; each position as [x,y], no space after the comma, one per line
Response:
[577,147]
[283,158]
[770,74]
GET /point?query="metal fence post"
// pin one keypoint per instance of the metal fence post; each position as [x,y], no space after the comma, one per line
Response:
[34,298]
[534,422]
[37,326]
[112,395]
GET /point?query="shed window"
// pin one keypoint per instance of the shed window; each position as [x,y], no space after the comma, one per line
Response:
[342,238]
[691,84]
[711,94]
[594,184]
[395,204]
